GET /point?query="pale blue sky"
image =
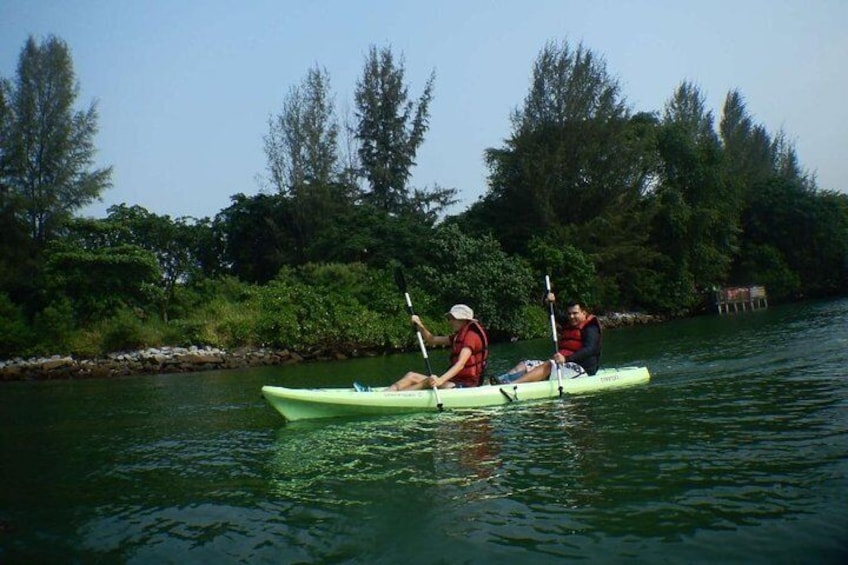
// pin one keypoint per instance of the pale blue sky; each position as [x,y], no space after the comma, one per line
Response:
[185,89]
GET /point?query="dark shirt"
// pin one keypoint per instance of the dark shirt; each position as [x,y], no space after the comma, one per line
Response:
[589,354]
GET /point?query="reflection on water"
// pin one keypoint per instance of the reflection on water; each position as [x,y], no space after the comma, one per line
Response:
[506,471]
[311,459]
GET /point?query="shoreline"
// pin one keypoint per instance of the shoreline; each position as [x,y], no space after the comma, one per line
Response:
[168,359]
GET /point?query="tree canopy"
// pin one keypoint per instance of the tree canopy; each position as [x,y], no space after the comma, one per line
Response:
[637,209]
[390,127]
[48,147]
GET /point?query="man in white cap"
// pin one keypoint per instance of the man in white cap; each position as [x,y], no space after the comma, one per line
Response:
[469,352]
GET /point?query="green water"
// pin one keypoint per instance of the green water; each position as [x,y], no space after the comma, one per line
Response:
[737,451]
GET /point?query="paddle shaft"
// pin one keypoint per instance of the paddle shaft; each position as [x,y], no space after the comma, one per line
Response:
[551,308]
[418,333]
[553,331]
[401,282]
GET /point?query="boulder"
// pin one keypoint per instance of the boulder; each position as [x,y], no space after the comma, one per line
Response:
[55,363]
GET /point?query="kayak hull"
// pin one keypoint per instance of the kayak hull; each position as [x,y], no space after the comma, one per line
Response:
[300,404]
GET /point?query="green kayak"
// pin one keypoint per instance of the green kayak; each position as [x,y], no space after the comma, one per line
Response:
[304,403]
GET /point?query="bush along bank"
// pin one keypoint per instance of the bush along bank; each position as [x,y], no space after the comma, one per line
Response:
[161,360]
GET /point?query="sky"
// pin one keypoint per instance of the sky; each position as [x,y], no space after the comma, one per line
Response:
[185,89]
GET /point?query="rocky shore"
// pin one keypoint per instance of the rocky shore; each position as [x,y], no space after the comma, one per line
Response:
[146,362]
[190,359]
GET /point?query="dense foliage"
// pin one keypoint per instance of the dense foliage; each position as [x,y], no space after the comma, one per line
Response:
[625,210]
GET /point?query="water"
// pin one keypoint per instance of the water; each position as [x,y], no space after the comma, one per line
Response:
[737,451]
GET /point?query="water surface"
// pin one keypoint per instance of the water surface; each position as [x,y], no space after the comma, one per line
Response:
[737,451]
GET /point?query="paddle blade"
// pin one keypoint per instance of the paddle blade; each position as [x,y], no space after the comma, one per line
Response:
[400,280]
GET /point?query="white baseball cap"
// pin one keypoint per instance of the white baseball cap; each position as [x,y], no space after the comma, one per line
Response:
[461,312]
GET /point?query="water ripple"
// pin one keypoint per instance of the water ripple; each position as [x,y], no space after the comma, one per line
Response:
[737,451]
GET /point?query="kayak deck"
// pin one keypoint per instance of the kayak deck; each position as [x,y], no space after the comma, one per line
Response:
[306,403]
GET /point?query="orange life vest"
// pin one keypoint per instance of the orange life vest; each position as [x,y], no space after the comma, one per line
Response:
[472,373]
[571,338]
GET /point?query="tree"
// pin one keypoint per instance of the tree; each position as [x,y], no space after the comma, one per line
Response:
[500,288]
[706,212]
[794,237]
[100,281]
[572,273]
[175,243]
[302,142]
[5,127]
[748,150]
[574,153]
[256,236]
[372,236]
[303,161]
[48,148]
[807,229]
[390,127]
[573,173]
[15,246]
[179,247]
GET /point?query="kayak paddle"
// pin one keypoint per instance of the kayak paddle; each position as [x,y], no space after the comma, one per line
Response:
[553,332]
[401,282]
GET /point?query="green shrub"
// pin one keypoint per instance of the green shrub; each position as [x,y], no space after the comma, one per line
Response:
[332,307]
[87,343]
[477,272]
[231,324]
[15,333]
[55,326]
[572,273]
[765,265]
[185,332]
[126,331]
[218,312]
[277,323]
